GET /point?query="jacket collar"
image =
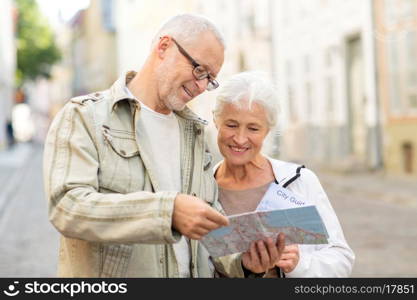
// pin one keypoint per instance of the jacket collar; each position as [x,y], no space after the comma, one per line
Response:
[119,93]
[118,90]
[283,171]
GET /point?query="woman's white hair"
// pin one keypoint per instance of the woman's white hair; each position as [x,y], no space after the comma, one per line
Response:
[187,27]
[246,88]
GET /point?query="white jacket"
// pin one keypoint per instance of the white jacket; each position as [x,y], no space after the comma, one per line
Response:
[334,259]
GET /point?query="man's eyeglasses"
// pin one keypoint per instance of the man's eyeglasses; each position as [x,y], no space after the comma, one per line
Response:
[199,71]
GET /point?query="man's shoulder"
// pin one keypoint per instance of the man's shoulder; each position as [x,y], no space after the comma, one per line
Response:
[89,98]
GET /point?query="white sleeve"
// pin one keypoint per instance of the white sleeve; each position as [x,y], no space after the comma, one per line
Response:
[334,259]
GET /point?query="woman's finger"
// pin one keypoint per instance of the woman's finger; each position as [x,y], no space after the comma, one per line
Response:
[263,254]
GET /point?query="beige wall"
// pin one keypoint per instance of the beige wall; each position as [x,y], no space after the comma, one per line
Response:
[94,51]
[399,120]
[398,161]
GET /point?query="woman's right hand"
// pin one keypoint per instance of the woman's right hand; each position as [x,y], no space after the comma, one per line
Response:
[262,255]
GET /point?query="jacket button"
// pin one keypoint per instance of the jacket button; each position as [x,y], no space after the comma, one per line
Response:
[198,131]
[161,260]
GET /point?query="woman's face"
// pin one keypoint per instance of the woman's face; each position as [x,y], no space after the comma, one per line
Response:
[241,132]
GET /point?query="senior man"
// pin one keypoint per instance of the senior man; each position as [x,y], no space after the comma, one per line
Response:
[127,174]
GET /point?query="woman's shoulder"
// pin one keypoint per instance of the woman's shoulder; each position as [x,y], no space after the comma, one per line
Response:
[284,170]
[216,166]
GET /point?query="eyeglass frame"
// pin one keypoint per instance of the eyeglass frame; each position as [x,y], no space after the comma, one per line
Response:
[212,83]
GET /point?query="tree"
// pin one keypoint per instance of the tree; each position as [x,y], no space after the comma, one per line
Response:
[36,49]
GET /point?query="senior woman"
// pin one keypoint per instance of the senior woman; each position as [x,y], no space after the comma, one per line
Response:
[245,112]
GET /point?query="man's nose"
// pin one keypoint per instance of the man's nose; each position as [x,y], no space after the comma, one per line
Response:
[201,84]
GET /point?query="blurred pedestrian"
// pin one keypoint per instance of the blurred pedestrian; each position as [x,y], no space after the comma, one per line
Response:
[126,170]
[10,133]
[245,112]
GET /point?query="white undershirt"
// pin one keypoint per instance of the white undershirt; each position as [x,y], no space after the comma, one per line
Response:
[163,135]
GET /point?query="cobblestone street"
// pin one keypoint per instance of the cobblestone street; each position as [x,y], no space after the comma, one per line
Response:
[29,243]
[378,215]
[379,219]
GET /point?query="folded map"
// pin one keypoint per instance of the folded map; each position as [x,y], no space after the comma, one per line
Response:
[301,225]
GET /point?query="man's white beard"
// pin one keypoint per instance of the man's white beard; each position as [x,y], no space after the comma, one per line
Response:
[173,103]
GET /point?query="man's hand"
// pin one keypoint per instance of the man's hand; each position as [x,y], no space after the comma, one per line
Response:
[194,218]
[289,258]
[263,255]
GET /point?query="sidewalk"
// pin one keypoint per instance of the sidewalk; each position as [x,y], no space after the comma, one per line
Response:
[375,185]
[12,167]
[29,245]
[378,215]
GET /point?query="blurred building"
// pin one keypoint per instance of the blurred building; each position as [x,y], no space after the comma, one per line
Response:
[137,22]
[7,66]
[62,73]
[396,45]
[248,27]
[94,51]
[326,79]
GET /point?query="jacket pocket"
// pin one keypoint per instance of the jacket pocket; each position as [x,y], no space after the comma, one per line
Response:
[115,260]
[122,142]
[121,169]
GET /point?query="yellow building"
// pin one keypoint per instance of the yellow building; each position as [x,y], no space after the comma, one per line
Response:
[396,48]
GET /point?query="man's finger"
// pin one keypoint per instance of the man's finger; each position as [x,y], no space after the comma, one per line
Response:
[196,233]
[217,217]
[208,225]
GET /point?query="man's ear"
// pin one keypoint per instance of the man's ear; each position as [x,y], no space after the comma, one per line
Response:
[163,44]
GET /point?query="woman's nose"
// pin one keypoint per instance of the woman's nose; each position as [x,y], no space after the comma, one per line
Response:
[240,138]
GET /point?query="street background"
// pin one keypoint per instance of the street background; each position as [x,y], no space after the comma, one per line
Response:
[346,73]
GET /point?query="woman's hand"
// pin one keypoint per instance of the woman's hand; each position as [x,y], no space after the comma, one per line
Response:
[289,258]
[263,255]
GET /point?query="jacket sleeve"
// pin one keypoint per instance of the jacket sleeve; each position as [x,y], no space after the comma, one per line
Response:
[229,266]
[77,209]
[334,259]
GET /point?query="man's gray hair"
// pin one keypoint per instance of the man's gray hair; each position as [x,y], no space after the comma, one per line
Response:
[246,88]
[187,27]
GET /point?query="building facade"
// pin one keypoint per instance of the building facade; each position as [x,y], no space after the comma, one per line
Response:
[94,51]
[396,45]
[326,79]
[7,66]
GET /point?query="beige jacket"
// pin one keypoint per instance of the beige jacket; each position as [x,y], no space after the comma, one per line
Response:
[104,197]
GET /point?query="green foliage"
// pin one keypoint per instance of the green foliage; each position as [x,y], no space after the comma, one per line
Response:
[36,49]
